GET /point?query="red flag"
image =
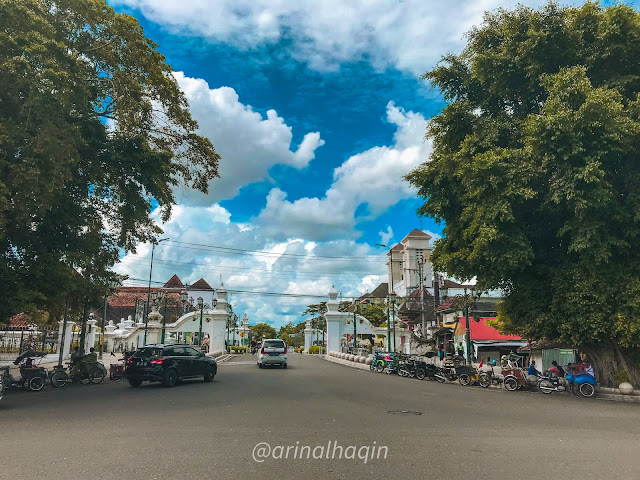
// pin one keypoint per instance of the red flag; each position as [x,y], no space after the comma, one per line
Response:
[481,359]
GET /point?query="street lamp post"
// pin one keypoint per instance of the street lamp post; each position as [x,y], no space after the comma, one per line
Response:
[388,329]
[392,301]
[355,308]
[146,319]
[235,326]
[201,305]
[467,300]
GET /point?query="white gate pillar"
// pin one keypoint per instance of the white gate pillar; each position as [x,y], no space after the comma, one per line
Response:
[66,346]
[216,322]
[91,337]
[308,336]
[334,322]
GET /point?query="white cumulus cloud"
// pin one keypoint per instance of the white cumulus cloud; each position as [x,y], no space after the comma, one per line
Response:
[410,35]
[364,186]
[248,143]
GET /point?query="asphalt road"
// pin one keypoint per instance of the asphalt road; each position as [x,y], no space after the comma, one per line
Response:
[209,430]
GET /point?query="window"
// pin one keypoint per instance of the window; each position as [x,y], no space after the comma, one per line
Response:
[178,352]
[192,351]
[148,352]
[274,343]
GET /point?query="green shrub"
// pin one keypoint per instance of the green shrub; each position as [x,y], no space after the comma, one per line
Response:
[238,348]
[621,376]
[315,349]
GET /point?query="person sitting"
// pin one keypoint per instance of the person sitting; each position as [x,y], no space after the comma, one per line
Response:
[91,357]
[556,369]
[532,369]
[75,356]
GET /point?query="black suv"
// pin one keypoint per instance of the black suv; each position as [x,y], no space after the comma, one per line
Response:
[168,364]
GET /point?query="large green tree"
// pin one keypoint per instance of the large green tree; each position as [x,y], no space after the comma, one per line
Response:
[292,334]
[535,171]
[94,134]
[263,330]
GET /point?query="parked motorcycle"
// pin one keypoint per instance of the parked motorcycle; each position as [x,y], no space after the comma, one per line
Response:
[551,383]
[425,370]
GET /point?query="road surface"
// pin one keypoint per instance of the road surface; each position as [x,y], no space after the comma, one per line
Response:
[210,430]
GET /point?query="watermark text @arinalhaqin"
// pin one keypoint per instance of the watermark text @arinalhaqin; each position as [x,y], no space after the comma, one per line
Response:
[332,450]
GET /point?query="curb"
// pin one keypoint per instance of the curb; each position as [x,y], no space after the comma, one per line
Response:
[347,363]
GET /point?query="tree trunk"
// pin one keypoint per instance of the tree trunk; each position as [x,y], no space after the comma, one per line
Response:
[608,360]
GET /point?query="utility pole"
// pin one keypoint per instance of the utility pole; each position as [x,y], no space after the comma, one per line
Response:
[85,314]
[388,331]
[355,307]
[424,327]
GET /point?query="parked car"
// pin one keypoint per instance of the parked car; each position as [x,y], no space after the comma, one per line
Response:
[272,352]
[168,364]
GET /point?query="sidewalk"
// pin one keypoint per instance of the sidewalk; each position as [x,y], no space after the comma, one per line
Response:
[602,393]
[107,360]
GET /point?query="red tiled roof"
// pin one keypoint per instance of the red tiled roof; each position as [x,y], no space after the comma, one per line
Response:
[174,282]
[200,285]
[20,320]
[126,296]
[481,331]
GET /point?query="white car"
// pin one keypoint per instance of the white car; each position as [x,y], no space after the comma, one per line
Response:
[272,352]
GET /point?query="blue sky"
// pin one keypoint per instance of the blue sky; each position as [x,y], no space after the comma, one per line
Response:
[317,111]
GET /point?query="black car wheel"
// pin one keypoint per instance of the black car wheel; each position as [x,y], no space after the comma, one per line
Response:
[208,377]
[284,365]
[170,378]
[135,383]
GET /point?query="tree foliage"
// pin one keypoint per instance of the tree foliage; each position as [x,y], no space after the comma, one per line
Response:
[94,133]
[535,172]
[263,330]
[292,334]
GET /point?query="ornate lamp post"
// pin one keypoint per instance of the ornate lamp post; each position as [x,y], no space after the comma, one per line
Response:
[392,301]
[202,305]
[235,325]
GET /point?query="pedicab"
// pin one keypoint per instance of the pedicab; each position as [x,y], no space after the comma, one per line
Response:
[32,377]
[467,375]
[582,377]
[116,370]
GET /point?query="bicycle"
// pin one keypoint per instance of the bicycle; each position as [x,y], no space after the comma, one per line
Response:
[83,372]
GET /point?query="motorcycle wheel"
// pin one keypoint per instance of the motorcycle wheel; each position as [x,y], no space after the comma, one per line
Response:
[464,379]
[36,384]
[546,386]
[511,383]
[484,380]
[420,374]
[439,378]
[587,390]
[379,367]
[59,379]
